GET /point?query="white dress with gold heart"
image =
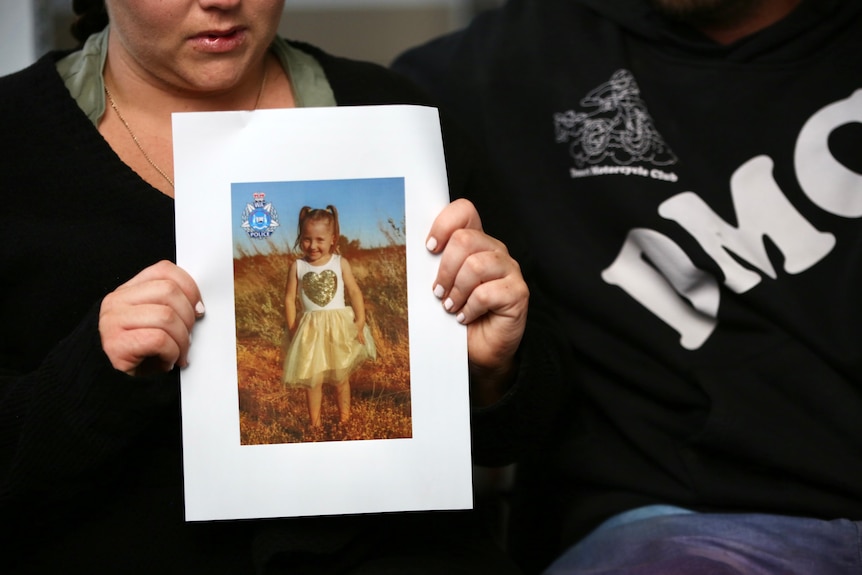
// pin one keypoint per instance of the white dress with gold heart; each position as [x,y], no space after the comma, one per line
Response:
[325,347]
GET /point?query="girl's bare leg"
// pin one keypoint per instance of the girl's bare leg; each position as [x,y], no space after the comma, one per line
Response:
[314,395]
[343,399]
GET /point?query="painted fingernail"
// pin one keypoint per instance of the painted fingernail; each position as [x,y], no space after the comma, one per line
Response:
[199,308]
[439,291]
[460,318]
[448,304]
[431,244]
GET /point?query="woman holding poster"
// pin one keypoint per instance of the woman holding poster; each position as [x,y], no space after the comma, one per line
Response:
[97,321]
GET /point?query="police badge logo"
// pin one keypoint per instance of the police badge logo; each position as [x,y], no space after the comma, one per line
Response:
[259,219]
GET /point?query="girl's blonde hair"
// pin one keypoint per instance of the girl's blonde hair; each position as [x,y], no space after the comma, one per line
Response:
[328,214]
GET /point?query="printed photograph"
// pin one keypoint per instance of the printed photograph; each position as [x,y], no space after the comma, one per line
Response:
[320,299]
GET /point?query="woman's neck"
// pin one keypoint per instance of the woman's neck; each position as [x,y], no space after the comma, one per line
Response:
[154,96]
[137,119]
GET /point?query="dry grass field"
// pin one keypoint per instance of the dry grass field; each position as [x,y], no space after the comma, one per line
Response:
[380,390]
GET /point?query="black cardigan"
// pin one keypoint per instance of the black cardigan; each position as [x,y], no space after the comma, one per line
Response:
[90,459]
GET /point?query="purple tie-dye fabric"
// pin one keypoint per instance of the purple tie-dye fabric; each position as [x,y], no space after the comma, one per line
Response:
[670,541]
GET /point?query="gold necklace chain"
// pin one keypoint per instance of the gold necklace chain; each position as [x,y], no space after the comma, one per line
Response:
[138,143]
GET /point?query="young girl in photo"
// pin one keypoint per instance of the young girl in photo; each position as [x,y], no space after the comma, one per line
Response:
[328,340]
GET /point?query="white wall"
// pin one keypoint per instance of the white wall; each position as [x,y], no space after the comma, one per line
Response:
[17,35]
[366,29]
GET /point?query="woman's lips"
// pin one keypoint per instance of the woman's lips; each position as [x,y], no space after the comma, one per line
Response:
[218,41]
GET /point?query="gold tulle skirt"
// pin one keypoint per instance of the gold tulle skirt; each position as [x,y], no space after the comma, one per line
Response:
[325,348]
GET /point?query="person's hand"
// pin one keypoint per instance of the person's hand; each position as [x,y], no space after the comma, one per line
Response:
[481,284]
[145,324]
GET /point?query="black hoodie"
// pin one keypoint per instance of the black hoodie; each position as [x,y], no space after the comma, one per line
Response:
[693,210]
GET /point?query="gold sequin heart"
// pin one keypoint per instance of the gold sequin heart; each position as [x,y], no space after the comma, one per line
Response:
[320,287]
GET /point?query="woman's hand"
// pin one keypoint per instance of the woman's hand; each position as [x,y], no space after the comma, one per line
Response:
[481,284]
[145,324]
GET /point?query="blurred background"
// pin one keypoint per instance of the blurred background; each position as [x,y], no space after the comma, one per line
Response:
[375,30]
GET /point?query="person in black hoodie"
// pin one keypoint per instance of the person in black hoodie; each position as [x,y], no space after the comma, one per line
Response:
[97,317]
[688,177]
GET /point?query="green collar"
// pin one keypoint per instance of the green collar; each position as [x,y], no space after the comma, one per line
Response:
[81,71]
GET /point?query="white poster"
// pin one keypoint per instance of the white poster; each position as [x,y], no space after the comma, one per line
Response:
[402,441]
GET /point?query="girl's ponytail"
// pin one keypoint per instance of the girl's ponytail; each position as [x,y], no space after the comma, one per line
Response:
[336,228]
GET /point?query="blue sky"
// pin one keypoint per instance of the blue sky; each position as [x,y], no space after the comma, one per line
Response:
[363,207]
